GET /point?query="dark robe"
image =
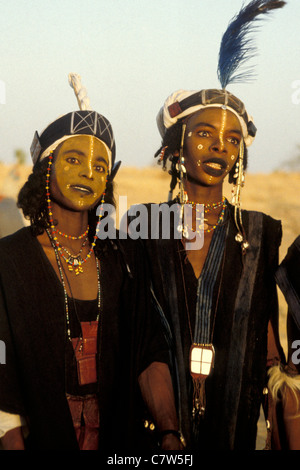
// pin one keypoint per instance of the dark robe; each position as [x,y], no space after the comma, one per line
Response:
[247,300]
[33,327]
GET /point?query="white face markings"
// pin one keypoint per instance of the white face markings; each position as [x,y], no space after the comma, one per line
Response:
[211,144]
[90,156]
[80,171]
[222,128]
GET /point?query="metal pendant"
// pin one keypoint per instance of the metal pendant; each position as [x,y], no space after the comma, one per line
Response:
[75,264]
[74,260]
[201,363]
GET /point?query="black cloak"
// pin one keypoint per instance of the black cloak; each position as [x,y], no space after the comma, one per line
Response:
[247,300]
[33,327]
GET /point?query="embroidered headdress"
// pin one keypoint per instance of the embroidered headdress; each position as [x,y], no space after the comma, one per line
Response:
[82,122]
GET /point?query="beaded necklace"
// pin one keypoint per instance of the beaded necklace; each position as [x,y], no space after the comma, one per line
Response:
[208,207]
[74,263]
[60,268]
[71,237]
[73,260]
[202,223]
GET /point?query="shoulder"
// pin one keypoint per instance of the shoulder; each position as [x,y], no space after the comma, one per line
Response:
[18,254]
[270,227]
[264,224]
[294,249]
[291,262]
[16,240]
[123,251]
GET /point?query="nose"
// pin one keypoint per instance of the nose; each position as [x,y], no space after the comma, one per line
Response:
[86,171]
[218,146]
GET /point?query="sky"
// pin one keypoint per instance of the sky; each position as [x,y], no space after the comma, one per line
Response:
[131,55]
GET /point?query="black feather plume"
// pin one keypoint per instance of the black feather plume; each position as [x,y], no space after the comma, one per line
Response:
[236,46]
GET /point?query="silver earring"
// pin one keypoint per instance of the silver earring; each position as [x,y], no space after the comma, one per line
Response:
[236,171]
[236,200]
[200,146]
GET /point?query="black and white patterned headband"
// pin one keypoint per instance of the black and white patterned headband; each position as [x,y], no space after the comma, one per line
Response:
[82,122]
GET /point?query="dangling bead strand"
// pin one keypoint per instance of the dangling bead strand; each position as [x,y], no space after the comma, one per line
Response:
[65,290]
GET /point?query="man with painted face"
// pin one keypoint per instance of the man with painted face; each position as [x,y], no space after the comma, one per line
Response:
[219,297]
[218,294]
[76,315]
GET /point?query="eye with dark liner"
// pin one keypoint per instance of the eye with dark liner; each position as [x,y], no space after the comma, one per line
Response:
[73,160]
[100,169]
[201,133]
[233,141]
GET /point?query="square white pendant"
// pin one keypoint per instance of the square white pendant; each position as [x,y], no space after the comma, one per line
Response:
[201,360]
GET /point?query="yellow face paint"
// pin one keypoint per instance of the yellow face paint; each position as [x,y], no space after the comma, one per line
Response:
[79,172]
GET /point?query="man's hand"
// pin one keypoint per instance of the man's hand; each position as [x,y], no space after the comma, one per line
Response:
[13,440]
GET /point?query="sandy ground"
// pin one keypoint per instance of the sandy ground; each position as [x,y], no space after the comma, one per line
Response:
[275,194]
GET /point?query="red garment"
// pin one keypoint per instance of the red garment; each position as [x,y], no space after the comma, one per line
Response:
[85,415]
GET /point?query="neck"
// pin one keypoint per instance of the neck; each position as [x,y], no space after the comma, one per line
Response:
[203,194]
[69,222]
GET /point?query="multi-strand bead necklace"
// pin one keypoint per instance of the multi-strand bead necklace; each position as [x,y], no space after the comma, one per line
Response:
[203,226]
[207,209]
[60,269]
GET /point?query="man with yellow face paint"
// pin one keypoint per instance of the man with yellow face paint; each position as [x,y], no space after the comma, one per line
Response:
[72,166]
[84,350]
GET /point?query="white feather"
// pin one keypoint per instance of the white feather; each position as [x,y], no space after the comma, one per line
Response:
[80,91]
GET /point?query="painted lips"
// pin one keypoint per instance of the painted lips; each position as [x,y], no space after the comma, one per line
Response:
[214,166]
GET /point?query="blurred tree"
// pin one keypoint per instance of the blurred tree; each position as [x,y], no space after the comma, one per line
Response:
[20,156]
